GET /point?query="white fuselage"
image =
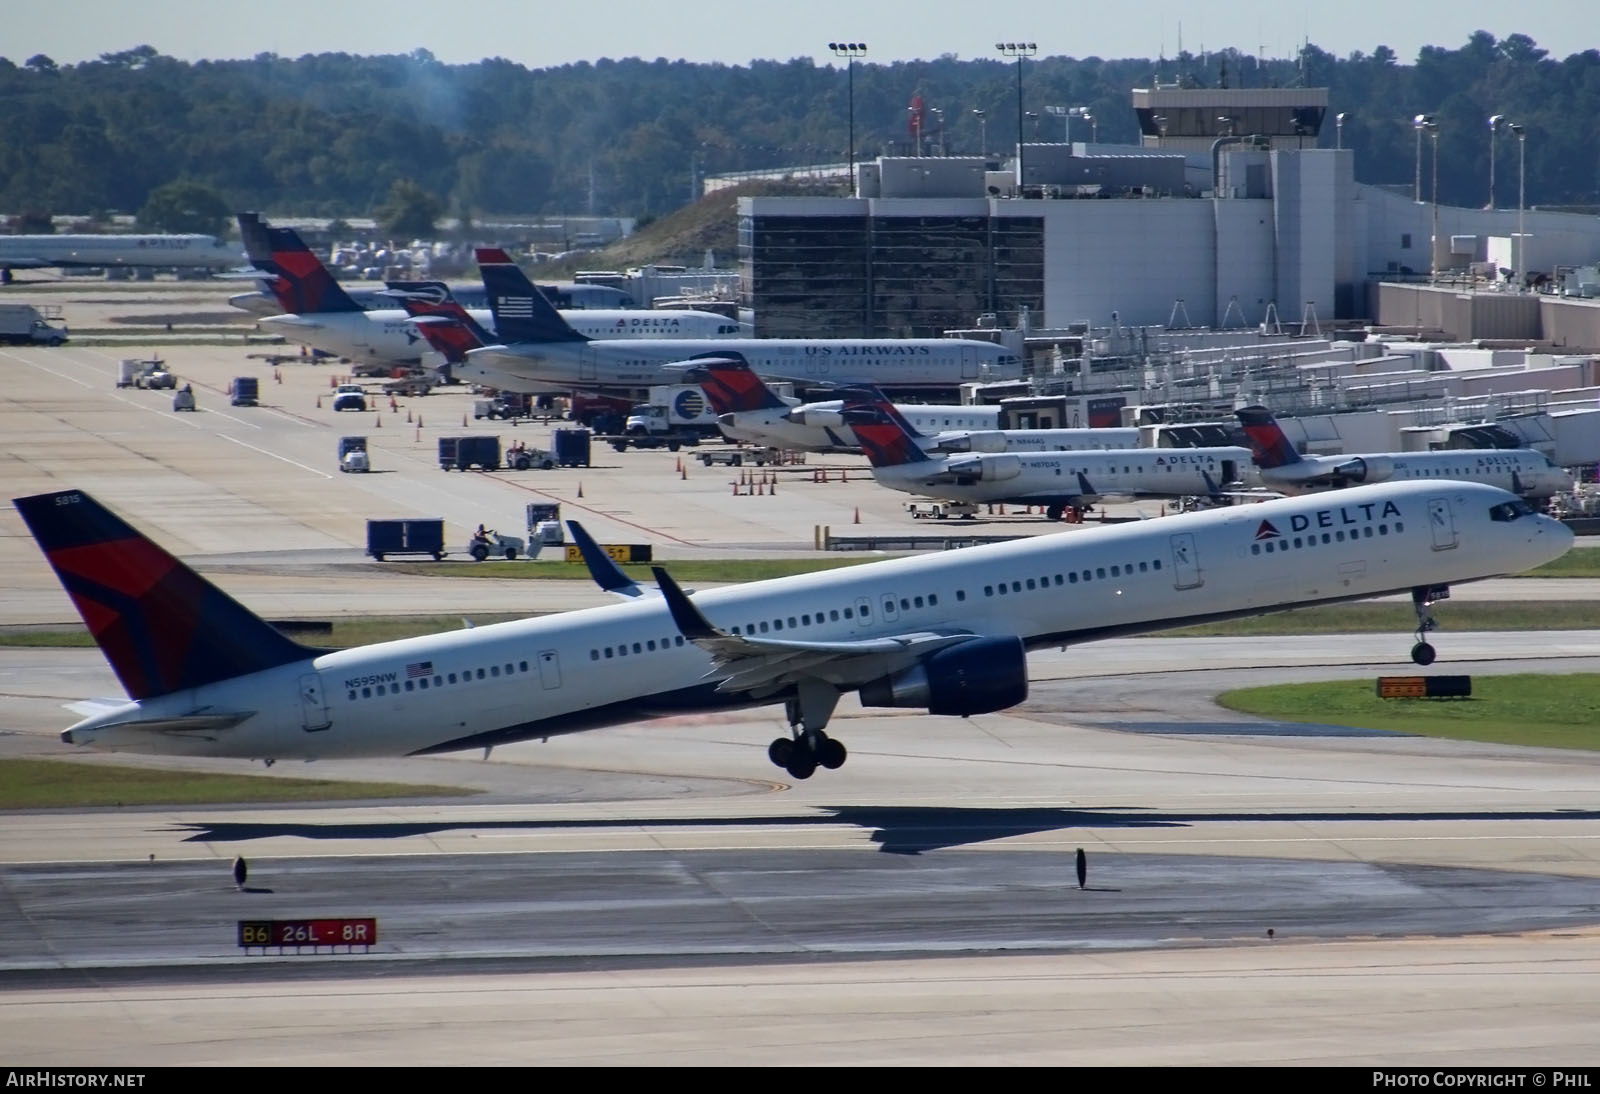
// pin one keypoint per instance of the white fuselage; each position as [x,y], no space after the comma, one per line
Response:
[30,252]
[389,335]
[906,364]
[624,663]
[1068,478]
[1520,470]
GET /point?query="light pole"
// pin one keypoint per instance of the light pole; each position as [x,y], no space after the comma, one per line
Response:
[850,51]
[1094,126]
[1082,113]
[983,131]
[1494,128]
[1419,123]
[938,121]
[914,116]
[1522,239]
[1338,130]
[1033,117]
[1433,239]
[1019,50]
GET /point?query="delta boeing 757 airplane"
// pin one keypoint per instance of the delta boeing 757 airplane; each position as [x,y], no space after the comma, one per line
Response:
[946,632]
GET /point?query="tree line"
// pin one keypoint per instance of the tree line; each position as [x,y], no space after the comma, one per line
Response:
[333,134]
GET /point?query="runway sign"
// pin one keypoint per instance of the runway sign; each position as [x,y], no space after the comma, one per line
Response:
[301,933]
[1424,687]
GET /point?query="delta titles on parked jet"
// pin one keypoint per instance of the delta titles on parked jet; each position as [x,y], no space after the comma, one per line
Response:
[946,632]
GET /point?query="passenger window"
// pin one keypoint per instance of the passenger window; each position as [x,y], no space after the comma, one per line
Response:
[1143,566]
[834,615]
[1156,565]
[366,693]
[1100,572]
[1016,586]
[905,605]
[522,666]
[650,645]
[352,693]
[792,623]
[806,619]
[594,655]
[1116,571]
[763,626]
[988,590]
[380,689]
[1072,577]
[1255,548]
[494,670]
[1030,583]
[917,601]
[1058,579]
[1399,527]
[1339,535]
[847,614]
[423,683]
[777,624]
[677,640]
[866,610]
[961,595]
[453,675]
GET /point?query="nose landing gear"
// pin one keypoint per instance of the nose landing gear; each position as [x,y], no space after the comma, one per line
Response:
[1423,597]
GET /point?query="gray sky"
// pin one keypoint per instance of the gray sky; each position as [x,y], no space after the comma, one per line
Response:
[544,33]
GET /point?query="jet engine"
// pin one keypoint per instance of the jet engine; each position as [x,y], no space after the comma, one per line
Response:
[988,440]
[985,468]
[817,415]
[1366,469]
[974,677]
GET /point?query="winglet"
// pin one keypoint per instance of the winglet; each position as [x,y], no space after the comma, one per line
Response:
[602,567]
[691,624]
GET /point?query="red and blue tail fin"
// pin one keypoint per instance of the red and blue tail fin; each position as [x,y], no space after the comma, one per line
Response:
[163,627]
[521,312]
[1268,444]
[448,327]
[730,384]
[884,435]
[304,286]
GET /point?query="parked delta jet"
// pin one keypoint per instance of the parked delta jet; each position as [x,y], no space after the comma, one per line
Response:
[66,252]
[1059,481]
[541,348]
[1519,470]
[748,410]
[319,313]
[947,632]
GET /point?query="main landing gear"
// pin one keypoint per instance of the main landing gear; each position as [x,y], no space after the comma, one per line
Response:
[1424,597]
[809,747]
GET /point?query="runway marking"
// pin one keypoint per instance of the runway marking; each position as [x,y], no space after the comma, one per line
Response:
[274,455]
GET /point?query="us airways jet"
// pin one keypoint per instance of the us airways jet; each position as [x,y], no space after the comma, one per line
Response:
[946,632]
[748,410]
[319,313]
[543,349]
[1059,481]
[1519,470]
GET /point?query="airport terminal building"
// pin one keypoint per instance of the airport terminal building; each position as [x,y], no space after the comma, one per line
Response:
[1227,214]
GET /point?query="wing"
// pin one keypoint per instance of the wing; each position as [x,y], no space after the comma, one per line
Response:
[764,666]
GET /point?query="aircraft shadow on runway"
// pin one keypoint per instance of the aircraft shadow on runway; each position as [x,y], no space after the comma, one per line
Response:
[896,829]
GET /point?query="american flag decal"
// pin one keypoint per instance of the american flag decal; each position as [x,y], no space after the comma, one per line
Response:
[517,307]
[419,668]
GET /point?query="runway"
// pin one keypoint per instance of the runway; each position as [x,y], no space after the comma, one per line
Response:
[660,894]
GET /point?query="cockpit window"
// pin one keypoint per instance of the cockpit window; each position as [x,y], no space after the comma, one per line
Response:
[1510,510]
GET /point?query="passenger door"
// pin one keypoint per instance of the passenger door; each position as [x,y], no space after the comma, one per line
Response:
[313,707]
[1185,562]
[1442,524]
[549,669]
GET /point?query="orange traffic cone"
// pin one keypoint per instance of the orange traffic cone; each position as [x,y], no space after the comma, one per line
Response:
[463,421]
[377,421]
[858,514]
[683,472]
[419,421]
[277,376]
[408,414]
[680,463]
[580,490]
[319,402]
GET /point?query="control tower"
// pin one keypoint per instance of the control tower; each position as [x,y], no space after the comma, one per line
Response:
[1189,119]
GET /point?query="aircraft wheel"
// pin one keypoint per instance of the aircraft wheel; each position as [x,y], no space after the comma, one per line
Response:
[831,754]
[780,751]
[1054,512]
[1423,654]
[801,765]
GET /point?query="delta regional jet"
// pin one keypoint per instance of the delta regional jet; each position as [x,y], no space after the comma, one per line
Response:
[1520,470]
[946,632]
[540,352]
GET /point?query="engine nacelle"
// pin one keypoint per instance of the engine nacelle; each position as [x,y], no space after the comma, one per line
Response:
[985,468]
[829,415]
[988,440]
[1366,469]
[979,676]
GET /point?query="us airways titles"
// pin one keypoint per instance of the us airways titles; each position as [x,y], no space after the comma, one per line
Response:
[867,351]
[1331,518]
